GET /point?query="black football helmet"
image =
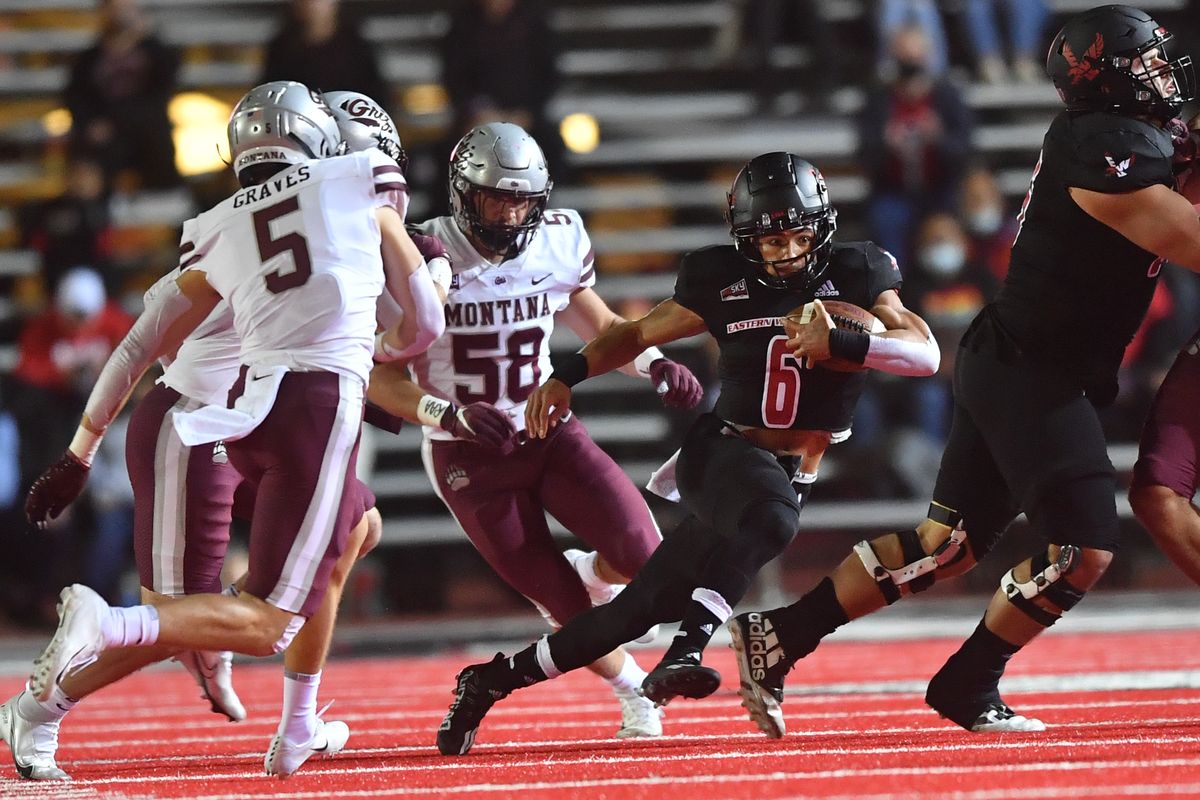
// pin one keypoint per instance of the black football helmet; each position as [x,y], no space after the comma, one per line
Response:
[778,192]
[1091,64]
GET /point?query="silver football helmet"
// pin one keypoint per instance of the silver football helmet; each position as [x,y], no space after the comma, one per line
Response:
[281,122]
[501,160]
[364,124]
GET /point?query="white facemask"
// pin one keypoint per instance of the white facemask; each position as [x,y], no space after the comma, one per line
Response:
[985,221]
[942,259]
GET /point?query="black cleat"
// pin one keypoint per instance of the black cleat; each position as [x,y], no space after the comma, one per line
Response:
[473,698]
[680,677]
[977,709]
[762,666]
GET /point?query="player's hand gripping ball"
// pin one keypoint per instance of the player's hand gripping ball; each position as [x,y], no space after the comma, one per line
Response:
[807,320]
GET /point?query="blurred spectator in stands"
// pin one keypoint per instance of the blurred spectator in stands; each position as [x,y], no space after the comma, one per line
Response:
[118,93]
[947,289]
[73,228]
[894,16]
[498,64]
[61,352]
[759,25]
[1023,22]
[990,222]
[319,46]
[915,134]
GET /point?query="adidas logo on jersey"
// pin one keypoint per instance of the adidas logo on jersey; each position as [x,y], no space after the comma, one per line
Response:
[827,289]
[762,646]
[735,291]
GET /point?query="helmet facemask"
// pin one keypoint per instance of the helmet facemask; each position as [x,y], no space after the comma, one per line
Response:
[498,161]
[779,192]
[1162,88]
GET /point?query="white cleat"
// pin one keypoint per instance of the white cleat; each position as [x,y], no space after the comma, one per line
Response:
[639,717]
[213,672]
[33,744]
[599,595]
[284,757]
[1002,719]
[77,642]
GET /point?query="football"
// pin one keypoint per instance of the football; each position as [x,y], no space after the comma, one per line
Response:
[846,316]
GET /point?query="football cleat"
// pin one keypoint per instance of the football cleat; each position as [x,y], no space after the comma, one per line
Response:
[680,677]
[284,757]
[33,744]
[472,700]
[639,717]
[599,595]
[77,642]
[762,666]
[213,672]
[978,710]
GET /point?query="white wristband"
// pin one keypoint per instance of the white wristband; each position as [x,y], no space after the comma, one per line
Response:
[85,444]
[430,410]
[383,351]
[645,359]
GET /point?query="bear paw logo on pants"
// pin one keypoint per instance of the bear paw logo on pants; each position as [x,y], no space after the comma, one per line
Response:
[456,478]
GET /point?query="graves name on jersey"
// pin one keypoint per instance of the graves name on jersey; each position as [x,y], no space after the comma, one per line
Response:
[762,384]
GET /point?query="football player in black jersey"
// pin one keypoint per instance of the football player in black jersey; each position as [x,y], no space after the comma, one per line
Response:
[745,470]
[1101,216]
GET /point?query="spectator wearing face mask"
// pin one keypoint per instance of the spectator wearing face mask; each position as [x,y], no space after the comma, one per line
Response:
[915,139]
[991,226]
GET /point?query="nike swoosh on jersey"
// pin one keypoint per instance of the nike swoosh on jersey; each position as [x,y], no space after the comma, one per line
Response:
[536,281]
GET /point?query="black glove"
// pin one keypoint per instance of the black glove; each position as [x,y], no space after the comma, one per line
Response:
[676,384]
[481,423]
[55,489]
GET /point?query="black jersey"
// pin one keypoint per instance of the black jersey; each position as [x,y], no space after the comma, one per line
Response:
[1077,290]
[762,385]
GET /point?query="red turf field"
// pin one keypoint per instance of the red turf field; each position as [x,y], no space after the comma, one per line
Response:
[858,729]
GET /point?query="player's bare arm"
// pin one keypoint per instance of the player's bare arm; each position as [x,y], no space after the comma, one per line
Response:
[160,330]
[1155,218]
[667,322]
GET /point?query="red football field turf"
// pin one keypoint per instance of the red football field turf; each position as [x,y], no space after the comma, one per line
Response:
[1122,712]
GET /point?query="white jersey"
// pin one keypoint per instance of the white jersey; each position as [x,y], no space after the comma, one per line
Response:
[207,363]
[499,317]
[297,261]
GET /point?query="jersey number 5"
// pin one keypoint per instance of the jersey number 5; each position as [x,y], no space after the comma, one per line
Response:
[270,246]
[781,385]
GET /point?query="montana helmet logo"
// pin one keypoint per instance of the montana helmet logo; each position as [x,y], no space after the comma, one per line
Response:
[1116,168]
[1088,68]
[735,291]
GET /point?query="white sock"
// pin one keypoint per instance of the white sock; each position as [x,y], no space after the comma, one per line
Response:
[586,567]
[55,707]
[629,679]
[298,723]
[125,627]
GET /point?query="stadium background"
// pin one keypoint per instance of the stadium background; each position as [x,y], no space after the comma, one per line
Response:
[654,106]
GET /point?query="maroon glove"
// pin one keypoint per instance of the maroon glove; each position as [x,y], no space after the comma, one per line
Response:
[481,423]
[55,489]
[1186,142]
[675,383]
[430,247]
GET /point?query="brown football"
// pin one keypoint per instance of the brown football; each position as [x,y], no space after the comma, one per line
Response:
[846,316]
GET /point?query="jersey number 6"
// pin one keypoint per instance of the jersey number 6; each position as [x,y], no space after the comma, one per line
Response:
[781,385]
[269,246]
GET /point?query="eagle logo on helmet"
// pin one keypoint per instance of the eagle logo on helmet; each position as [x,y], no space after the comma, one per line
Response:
[1087,69]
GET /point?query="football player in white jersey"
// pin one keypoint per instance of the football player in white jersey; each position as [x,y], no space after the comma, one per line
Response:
[518,268]
[187,492]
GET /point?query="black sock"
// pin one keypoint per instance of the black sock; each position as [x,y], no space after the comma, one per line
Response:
[802,625]
[698,626]
[514,672]
[976,667]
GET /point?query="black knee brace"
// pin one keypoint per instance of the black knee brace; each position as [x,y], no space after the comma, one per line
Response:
[918,571]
